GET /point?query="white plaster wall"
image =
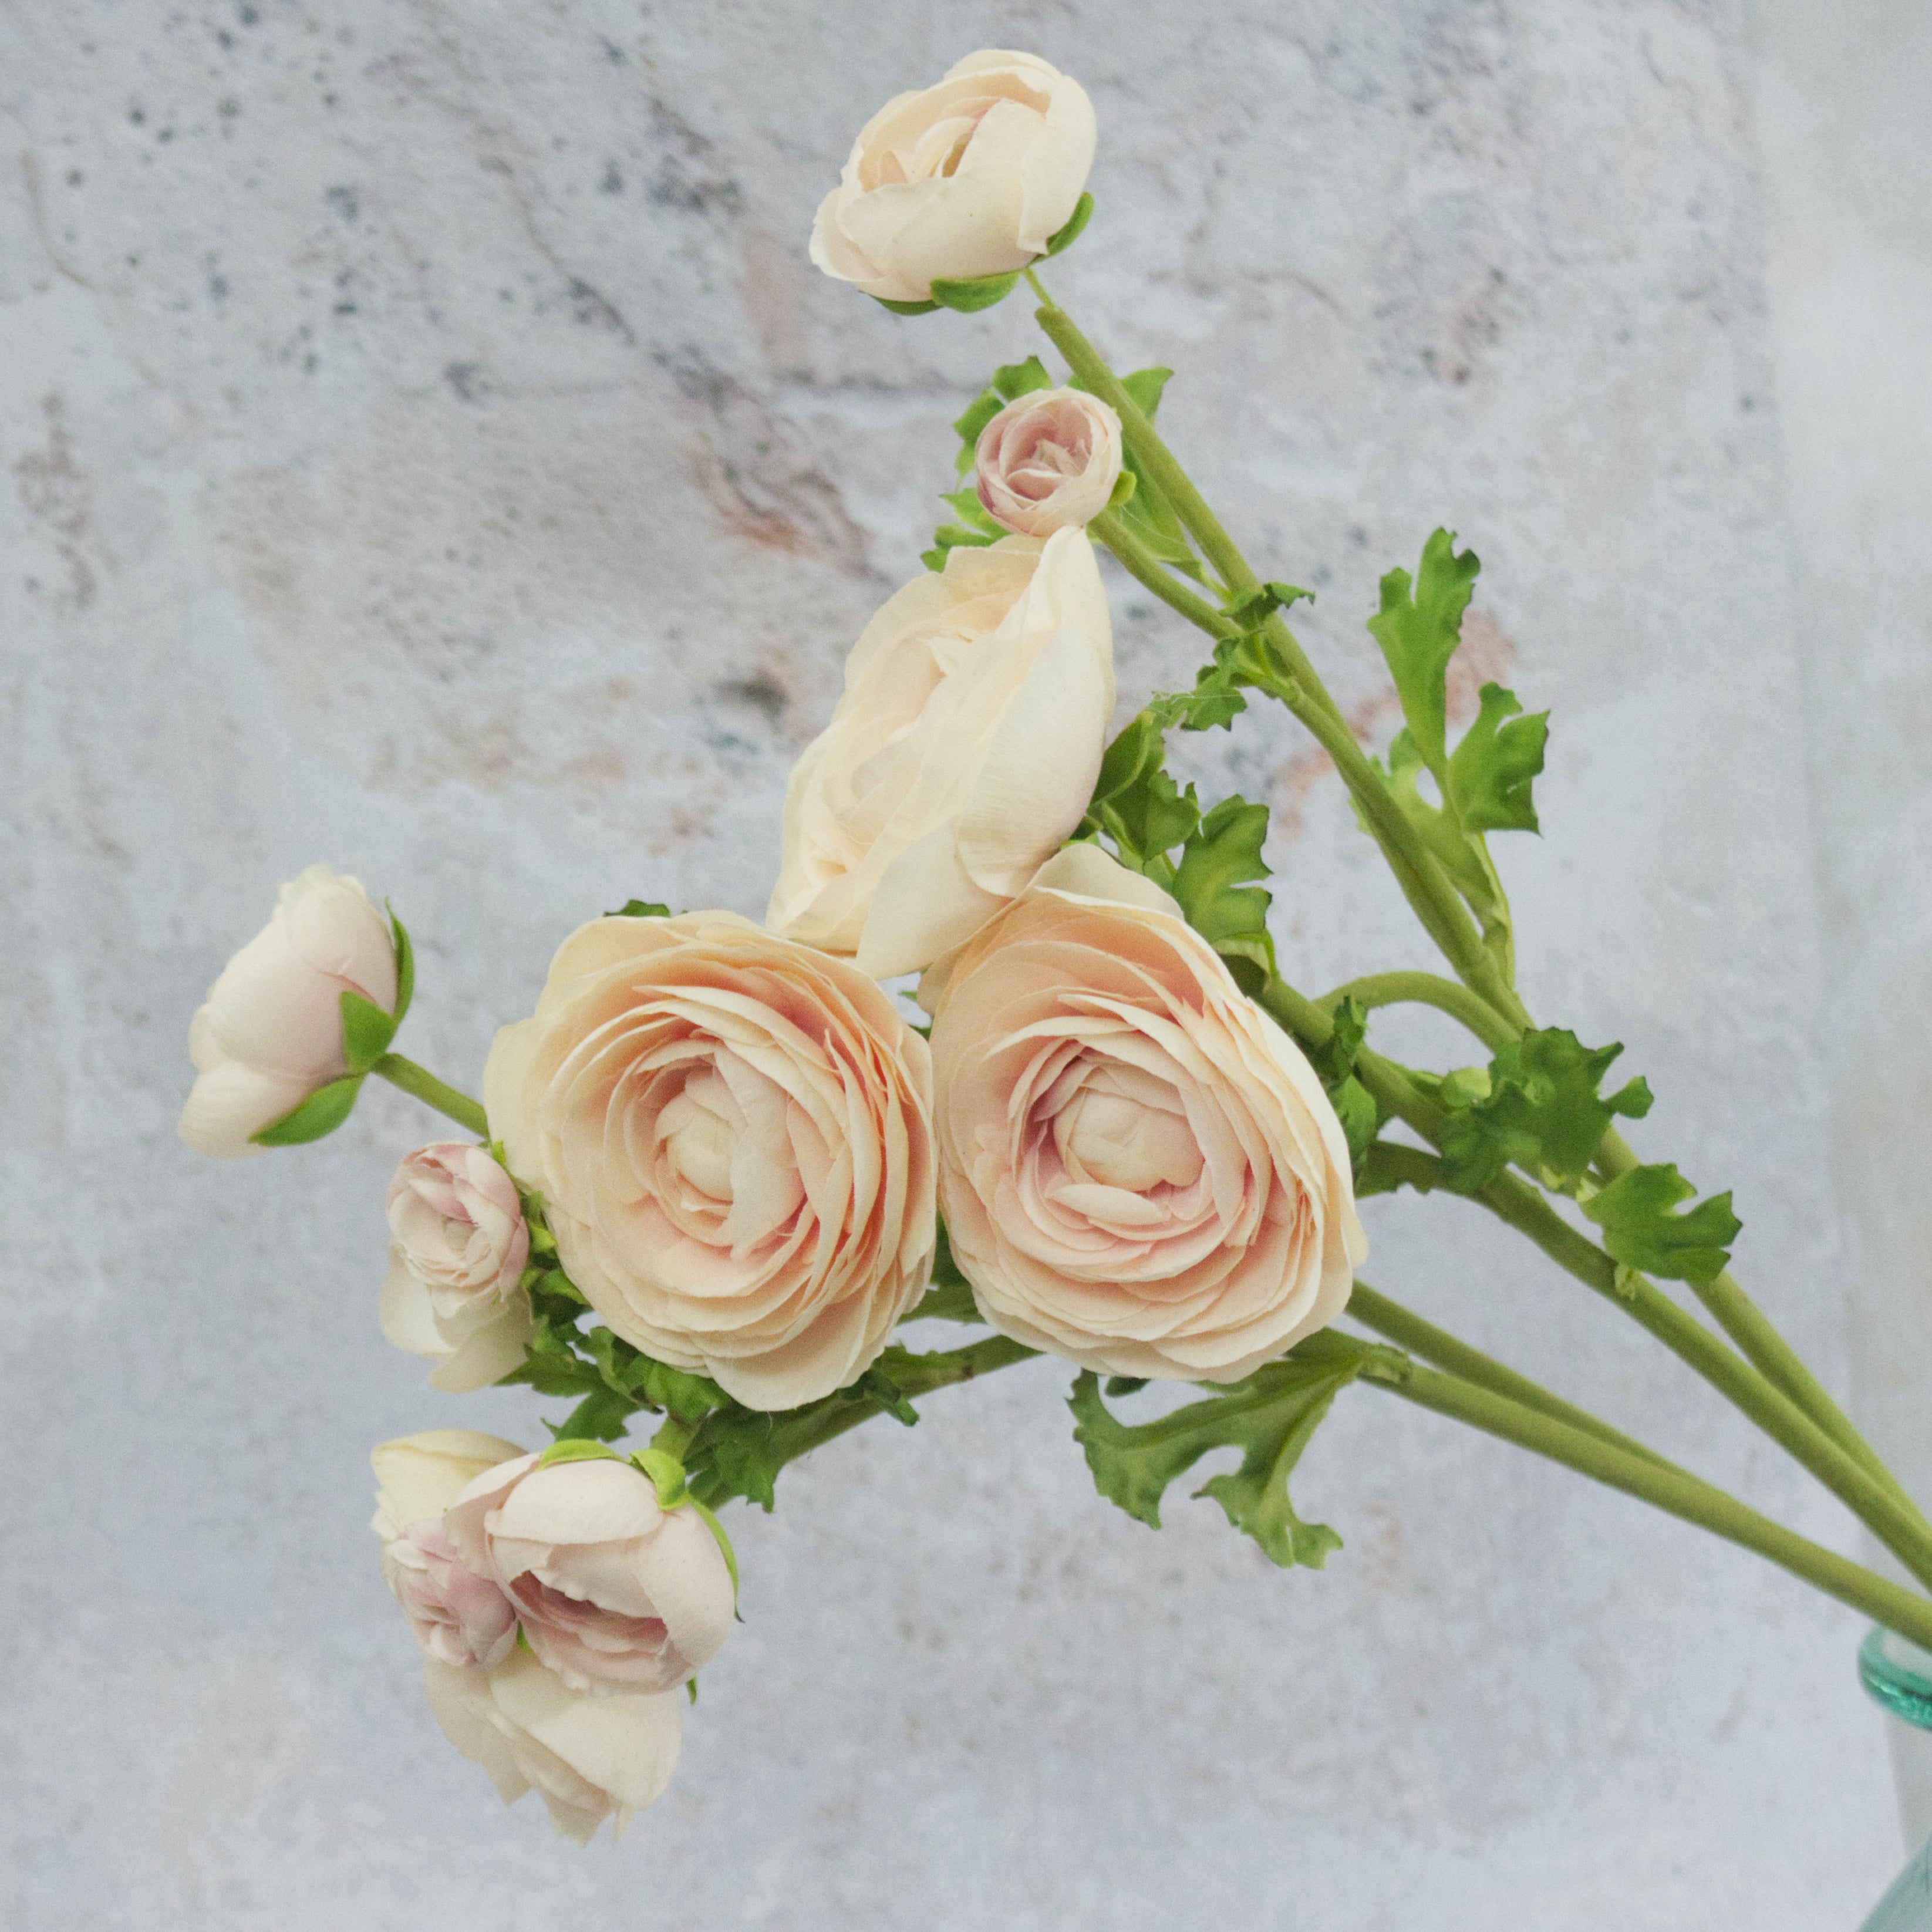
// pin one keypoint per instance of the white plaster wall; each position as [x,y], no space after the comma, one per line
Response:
[430,451]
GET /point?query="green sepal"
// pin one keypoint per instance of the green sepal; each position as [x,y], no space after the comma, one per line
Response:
[725,1549]
[576,1449]
[1538,1107]
[690,1689]
[666,1474]
[906,308]
[366,1031]
[976,293]
[1012,380]
[406,964]
[875,1385]
[1068,232]
[1214,884]
[641,909]
[1269,1417]
[1492,770]
[1418,627]
[1641,1229]
[321,1113]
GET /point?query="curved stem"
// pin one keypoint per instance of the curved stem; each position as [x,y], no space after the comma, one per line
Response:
[425,1086]
[1408,1330]
[1140,564]
[1670,1489]
[1427,989]
[1767,1351]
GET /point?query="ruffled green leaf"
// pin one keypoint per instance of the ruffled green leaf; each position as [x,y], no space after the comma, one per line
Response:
[1419,625]
[321,1113]
[1539,1109]
[1641,1229]
[1269,1417]
[1256,606]
[1491,771]
[1214,883]
[641,909]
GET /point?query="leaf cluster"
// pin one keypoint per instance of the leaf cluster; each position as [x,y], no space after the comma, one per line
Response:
[1269,1417]
[1641,1229]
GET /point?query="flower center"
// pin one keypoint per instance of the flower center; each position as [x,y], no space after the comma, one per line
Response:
[1123,1128]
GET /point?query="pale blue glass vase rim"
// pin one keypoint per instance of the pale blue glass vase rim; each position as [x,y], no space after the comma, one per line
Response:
[1897,1674]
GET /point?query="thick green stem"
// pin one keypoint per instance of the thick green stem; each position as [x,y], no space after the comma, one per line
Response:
[1140,564]
[1408,1330]
[1427,989]
[425,1086]
[1876,1503]
[1767,1351]
[1670,1488]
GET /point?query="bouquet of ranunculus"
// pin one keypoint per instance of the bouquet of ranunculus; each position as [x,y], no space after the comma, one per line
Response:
[721,1172]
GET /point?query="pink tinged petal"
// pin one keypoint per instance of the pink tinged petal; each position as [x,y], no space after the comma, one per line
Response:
[690,1586]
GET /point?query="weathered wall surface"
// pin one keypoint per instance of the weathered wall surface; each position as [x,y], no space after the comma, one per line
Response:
[428,449]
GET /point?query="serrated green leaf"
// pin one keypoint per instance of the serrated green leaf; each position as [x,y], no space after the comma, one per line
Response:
[321,1113]
[1261,603]
[1012,380]
[907,308]
[985,407]
[976,293]
[1641,1229]
[1065,236]
[1418,627]
[1153,816]
[934,560]
[742,1451]
[1539,1108]
[600,1416]
[973,513]
[1221,858]
[1492,770]
[406,963]
[1361,1116]
[639,909]
[1136,751]
[1269,1417]
[366,1031]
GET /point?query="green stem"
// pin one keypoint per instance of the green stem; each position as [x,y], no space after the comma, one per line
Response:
[1408,1330]
[423,1085]
[1140,564]
[1670,1488]
[1877,1504]
[1427,989]
[1767,1351]
[674,1436]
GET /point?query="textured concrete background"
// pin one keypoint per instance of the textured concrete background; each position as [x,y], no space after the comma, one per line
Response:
[430,451]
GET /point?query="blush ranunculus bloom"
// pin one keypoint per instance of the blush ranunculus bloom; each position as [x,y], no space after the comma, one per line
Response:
[460,1613]
[1139,1170]
[591,1758]
[972,177]
[1048,461]
[732,1135]
[457,1247]
[270,1032]
[963,752]
[615,1593]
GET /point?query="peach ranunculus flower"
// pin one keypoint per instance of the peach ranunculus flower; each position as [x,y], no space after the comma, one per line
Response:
[457,1246]
[1048,461]
[592,1757]
[963,752]
[973,177]
[1139,1169]
[270,1032]
[615,1593]
[732,1135]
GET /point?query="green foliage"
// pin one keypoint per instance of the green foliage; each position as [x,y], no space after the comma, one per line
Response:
[406,964]
[366,1031]
[1258,605]
[1641,1229]
[1068,232]
[1540,1108]
[977,291]
[321,1113]
[742,1454]
[1418,627]
[1219,860]
[950,1297]
[1490,772]
[639,909]
[1269,1417]
[1355,1107]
